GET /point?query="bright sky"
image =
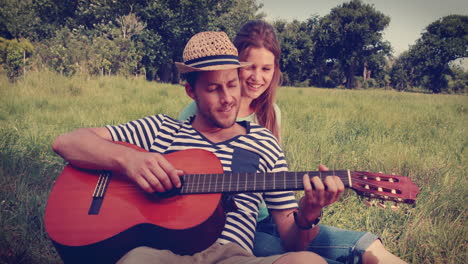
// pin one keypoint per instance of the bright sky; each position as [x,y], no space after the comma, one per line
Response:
[408,17]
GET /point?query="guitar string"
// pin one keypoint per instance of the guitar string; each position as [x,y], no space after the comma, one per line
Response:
[391,196]
[194,185]
[290,180]
[287,181]
[293,180]
[290,185]
[136,190]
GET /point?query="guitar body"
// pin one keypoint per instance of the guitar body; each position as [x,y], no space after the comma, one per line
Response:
[129,217]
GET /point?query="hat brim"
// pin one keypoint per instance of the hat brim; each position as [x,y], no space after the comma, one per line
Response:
[183,68]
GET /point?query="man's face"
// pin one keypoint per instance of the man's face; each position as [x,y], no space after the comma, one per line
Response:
[217,94]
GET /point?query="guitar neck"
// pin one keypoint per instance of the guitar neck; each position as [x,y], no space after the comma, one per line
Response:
[253,182]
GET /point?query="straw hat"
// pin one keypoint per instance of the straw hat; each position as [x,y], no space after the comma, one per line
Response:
[210,51]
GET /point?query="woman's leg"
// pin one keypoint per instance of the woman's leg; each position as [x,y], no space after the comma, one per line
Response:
[377,253]
[342,245]
[334,244]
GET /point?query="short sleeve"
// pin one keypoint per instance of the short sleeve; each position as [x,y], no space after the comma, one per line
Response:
[280,200]
[141,132]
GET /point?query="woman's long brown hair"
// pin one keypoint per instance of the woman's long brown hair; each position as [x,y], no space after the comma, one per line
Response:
[260,34]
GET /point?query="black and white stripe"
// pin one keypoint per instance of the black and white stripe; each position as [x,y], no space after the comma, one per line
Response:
[213,61]
[162,134]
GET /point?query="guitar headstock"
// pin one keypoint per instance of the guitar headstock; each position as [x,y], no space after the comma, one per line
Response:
[399,189]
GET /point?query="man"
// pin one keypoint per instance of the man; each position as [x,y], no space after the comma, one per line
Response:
[211,62]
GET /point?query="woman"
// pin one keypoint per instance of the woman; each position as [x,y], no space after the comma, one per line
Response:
[256,42]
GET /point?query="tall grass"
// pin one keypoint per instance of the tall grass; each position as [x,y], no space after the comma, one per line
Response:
[419,135]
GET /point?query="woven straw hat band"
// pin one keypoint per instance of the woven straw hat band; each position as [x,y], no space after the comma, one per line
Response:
[209,51]
[213,60]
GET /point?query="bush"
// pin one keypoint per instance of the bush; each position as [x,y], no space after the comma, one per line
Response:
[14,55]
[370,83]
[458,86]
[107,49]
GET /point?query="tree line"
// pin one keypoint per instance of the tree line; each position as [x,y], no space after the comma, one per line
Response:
[344,48]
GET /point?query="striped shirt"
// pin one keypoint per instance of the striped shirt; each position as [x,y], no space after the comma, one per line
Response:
[257,151]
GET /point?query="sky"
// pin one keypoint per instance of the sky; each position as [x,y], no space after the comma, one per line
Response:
[408,18]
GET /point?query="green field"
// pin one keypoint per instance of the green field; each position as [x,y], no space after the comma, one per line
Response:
[419,135]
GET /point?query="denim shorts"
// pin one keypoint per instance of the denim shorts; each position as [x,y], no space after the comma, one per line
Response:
[334,244]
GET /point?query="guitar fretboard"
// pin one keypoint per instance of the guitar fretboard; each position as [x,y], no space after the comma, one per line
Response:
[252,182]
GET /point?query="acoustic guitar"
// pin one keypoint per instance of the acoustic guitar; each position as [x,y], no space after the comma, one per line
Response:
[98,216]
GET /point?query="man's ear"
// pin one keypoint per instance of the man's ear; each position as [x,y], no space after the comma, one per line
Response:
[189,90]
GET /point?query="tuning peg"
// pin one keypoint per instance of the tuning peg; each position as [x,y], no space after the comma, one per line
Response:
[381,205]
[369,202]
[395,207]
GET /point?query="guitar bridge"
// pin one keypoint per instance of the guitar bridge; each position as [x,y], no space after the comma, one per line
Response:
[99,191]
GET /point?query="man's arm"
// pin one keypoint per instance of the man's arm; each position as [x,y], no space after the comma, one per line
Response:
[92,148]
[315,198]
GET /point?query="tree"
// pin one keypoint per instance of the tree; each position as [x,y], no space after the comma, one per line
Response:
[443,41]
[233,15]
[170,24]
[401,74]
[17,18]
[35,20]
[297,51]
[351,34]
[163,26]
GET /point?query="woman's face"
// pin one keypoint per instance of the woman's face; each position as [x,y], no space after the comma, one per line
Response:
[256,78]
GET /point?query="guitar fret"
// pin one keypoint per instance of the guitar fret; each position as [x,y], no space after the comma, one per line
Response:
[284,179]
[194,183]
[199,183]
[209,183]
[238,175]
[295,178]
[192,179]
[230,181]
[222,185]
[255,182]
[190,183]
[204,179]
[264,180]
[274,181]
[245,188]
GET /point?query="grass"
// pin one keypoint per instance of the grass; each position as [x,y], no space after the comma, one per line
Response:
[418,135]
